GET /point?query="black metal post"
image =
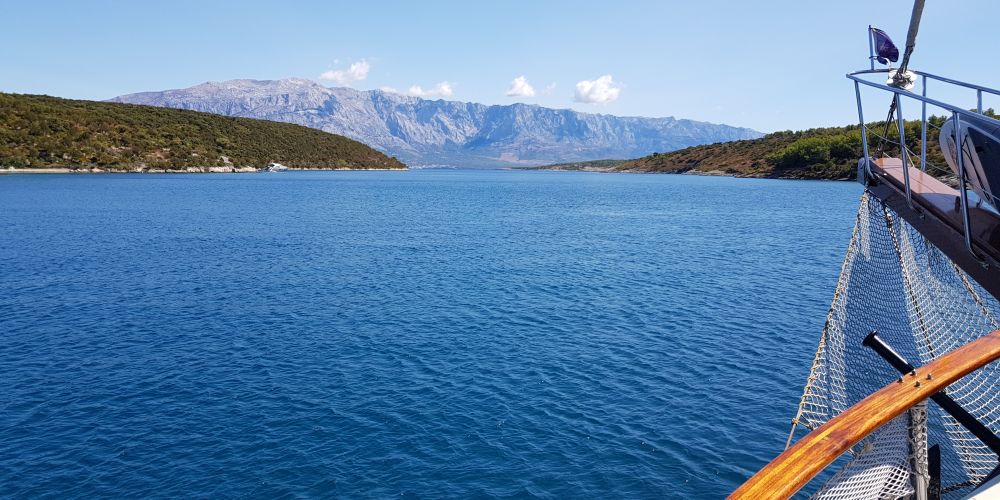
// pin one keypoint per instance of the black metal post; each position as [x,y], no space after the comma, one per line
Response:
[875,343]
[934,471]
[943,400]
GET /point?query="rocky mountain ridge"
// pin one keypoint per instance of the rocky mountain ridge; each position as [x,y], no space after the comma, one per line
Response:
[438,132]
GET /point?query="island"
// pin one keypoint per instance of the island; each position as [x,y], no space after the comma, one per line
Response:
[43,133]
[820,153]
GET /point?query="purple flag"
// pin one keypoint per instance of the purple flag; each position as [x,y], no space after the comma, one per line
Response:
[885,50]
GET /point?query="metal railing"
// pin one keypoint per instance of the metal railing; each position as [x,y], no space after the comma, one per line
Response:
[956,116]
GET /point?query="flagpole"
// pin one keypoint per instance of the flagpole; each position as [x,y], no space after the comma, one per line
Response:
[871,48]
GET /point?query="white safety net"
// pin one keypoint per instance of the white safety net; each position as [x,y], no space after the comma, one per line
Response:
[894,282]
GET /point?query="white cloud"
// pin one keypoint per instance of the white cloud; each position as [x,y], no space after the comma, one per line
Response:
[391,90]
[356,72]
[442,89]
[521,88]
[600,91]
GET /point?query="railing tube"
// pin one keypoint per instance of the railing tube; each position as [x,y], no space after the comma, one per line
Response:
[962,190]
[902,148]
[923,125]
[932,102]
[961,83]
[864,130]
[979,101]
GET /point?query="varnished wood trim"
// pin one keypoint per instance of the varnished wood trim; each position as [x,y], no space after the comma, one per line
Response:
[791,470]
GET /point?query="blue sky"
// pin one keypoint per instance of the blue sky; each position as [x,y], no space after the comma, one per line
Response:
[769,65]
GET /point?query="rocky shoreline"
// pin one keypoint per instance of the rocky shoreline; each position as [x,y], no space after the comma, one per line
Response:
[188,170]
[705,173]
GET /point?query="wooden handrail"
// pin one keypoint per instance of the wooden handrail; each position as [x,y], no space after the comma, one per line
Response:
[791,470]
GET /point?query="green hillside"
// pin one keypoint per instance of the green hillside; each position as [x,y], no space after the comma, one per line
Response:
[49,132]
[820,153]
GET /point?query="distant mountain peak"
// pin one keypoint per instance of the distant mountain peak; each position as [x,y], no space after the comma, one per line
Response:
[421,131]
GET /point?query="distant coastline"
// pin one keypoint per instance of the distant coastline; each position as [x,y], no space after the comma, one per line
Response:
[703,173]
[817,154]
[189,170]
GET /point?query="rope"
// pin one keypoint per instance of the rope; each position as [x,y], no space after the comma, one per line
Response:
[908,283]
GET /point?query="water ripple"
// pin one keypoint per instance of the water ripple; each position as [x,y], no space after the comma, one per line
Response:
[414,334]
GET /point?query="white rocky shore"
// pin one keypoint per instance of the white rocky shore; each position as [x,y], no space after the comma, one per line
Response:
[188,170]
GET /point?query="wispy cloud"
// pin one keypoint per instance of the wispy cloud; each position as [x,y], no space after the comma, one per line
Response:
[603,90]
[442,89]
[521,88]
[355,73]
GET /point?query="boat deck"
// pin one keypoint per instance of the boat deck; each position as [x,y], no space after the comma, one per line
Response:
[937,214]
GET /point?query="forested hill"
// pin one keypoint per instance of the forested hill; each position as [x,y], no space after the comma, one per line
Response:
[820,153]
[49,132]
[827,153]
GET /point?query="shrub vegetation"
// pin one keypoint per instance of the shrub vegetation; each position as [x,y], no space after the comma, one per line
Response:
[819,153]
[45,132]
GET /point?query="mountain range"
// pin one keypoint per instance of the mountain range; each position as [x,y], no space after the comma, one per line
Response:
[438,132]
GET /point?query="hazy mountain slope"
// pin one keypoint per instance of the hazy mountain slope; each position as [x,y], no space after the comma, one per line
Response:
[422,131]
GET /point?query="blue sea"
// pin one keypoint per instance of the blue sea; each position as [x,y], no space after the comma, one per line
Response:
[419,334]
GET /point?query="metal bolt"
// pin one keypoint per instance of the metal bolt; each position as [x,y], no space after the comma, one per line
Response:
[917,384]
[929,376]
[913,373]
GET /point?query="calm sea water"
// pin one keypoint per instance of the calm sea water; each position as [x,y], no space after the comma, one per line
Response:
[419,334]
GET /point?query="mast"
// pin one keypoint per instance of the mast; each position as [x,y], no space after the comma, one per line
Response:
[911,33]
[901,78]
